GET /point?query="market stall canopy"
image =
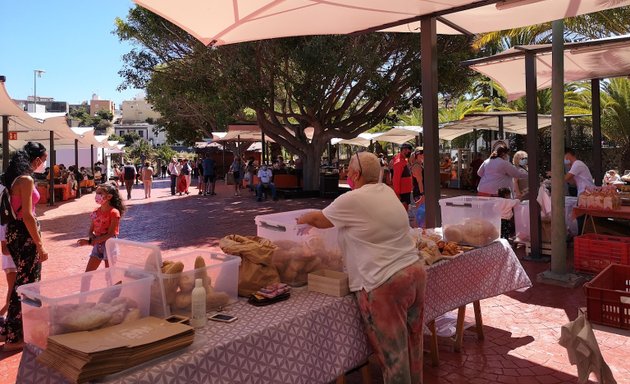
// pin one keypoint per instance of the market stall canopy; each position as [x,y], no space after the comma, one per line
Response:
[240,132]
[594,59]
[19,120]
[501,15]
[399,134]
[363,140]
[204,144]
[513,122]
[221,22]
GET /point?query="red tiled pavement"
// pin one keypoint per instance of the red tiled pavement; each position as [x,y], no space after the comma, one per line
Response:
[521,328]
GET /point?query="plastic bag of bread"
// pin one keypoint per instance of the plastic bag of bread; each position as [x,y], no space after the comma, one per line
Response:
[478,232]
[295,260]
[256,270]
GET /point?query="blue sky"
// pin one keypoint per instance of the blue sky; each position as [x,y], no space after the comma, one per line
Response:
[71,40]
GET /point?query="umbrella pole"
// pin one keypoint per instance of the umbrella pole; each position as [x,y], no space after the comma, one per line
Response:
[51,171]
[5,143]
[532,153]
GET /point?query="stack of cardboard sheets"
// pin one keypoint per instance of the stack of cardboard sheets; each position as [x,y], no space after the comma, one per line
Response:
[84,356]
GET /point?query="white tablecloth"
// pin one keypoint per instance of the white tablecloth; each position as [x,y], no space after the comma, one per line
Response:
[311,338]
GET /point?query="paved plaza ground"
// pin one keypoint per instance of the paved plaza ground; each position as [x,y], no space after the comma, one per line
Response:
[521,328]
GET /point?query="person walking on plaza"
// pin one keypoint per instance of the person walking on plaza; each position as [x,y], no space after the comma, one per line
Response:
[237,171]
[200,184]
[497,172]
[147,179]
[105,224]
[578,174]
[521,185]
[401,179]
[383,267]
[23,237]
[173,171]
[129,176]
[209,174]
[184,177]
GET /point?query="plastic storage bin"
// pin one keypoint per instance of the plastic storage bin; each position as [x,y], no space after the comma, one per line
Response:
[83,302]
[471,220]
[220,276]
[608,297]
[135,255]
[592,252]
[301,248]
[171,291]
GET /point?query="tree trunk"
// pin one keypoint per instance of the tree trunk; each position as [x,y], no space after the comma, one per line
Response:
[311,164]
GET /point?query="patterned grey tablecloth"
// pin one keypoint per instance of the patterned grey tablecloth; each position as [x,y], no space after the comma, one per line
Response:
[478,274]
[311,338]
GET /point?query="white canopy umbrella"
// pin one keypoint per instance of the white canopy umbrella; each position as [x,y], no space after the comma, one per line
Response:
[511,123]
[362,140]
[400,134]
[582,61]
[221,22]
[19,121]
[204,144]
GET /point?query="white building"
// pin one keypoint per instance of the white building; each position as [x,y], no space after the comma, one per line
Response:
[144,130]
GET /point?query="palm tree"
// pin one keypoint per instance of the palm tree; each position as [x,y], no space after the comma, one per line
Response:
[574,102]
[414,117]
[616,115]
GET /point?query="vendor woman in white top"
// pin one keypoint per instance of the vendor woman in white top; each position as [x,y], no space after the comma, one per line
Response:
[383,267]
[578,174]
[497,172]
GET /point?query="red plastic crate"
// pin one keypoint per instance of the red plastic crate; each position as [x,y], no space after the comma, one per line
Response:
[608,297]
[592,252]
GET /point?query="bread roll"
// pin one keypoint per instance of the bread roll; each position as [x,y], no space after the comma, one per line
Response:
[84,320]
[216,300]
[454,233]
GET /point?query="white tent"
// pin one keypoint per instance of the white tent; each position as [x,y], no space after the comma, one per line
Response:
[220,22]
[582,61]
[512,123]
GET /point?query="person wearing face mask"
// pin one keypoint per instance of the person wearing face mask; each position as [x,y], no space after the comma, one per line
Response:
[578,174]
[521,186]
[382,263]
[497,172]
[104,224]
[265,177]
[23,237]
[401,179]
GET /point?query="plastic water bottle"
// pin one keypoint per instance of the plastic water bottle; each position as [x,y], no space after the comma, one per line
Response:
[198,305]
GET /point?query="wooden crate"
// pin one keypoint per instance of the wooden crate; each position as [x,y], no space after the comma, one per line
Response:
[329,282]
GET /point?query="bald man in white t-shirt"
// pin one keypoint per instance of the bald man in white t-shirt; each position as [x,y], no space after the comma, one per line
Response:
[382,263]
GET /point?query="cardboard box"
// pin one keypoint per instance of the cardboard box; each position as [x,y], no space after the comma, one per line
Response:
[329,282]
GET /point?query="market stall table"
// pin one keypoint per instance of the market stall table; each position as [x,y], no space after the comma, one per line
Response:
[590,224]
[311,337]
